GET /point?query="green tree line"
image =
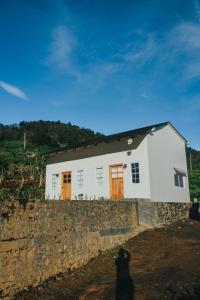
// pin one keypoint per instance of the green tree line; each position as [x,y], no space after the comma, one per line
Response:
[193,161]
[22,171]
[40,136]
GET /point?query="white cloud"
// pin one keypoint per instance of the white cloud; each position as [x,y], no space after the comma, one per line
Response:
[186,36]
[143,52]
[197,9]
[98,76]
[145,95]
[61,56]
[13,90]
[177,48]
[61,51]
[183,45]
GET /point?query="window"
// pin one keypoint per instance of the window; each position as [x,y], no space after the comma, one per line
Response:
[80,178]
[135,172]
[67,178]
[54,181]
[117,171]
[178,179]
[99,175]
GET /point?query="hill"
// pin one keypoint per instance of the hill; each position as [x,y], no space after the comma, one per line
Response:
[21,170]
[39,137]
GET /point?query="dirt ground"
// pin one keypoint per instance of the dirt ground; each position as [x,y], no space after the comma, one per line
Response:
[162,263]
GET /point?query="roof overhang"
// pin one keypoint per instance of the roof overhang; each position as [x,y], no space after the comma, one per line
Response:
[180,172]
[140,132]
[178,133]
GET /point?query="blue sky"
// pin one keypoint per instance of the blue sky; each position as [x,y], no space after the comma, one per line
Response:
[106,65]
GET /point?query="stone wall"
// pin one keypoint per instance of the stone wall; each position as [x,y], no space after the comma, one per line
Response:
[168,212]
[155,214]
[43,238]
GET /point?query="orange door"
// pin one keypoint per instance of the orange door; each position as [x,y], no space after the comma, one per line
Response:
[66,186]
[116,182]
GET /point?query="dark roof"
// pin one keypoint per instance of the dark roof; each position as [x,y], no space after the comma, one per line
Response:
[133,132]
[106,139]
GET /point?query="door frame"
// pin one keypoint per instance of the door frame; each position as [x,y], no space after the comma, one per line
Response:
[110,179]
[62,175]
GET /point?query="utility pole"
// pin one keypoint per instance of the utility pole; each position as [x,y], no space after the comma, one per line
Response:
[190,162]
[24,141]
[24,147]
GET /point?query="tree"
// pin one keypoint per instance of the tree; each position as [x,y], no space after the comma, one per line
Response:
[194,182]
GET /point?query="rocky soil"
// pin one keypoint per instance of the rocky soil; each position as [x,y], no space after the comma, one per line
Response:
[162,263]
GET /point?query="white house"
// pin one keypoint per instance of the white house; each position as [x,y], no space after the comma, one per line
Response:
[147,163]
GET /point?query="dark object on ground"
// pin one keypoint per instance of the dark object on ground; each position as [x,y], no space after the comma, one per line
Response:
[124,284]
[195,211]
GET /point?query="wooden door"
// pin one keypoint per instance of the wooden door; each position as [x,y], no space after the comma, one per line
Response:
[116,182]
[66,186]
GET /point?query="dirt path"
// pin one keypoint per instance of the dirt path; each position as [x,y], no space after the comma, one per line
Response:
[164,264]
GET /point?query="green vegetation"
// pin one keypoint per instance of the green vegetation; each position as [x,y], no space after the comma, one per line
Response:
[193,159]
[22,171]
[41,136]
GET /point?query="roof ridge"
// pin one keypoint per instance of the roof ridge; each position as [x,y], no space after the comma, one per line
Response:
[107,138]
[140,128]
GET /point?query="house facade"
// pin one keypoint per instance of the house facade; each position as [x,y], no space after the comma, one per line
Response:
[148,163]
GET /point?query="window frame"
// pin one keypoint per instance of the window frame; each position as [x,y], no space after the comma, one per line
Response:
[179,180]
[99,175]
[80,178]
[135,172]
[54,181]
[67,178]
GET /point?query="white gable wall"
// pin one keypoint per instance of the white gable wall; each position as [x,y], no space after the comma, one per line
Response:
[166,152]
[91,189]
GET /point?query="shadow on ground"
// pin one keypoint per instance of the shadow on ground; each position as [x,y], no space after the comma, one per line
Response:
[124,289]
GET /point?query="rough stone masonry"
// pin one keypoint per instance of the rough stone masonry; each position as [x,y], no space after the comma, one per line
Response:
[44,238]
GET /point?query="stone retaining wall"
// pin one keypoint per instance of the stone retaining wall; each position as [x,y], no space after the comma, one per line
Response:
[44,238]
[155,214]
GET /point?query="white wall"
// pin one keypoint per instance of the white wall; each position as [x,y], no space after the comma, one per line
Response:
[158,154]
[91,189]
[166,152]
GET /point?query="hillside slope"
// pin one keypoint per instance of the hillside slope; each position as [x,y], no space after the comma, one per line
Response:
[39,137]
[22,172]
